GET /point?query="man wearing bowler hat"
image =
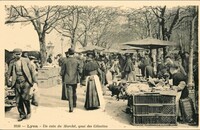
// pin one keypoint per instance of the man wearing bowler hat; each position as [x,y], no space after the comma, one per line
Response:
[70,71]
[22,77]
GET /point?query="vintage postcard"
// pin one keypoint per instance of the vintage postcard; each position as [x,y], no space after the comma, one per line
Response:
[99,64]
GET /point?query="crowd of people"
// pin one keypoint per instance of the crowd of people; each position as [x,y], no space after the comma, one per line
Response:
[129,66]
[96,71]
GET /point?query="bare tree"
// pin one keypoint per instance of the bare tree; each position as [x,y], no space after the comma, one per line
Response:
[88,25]
[70,25]
[168,20]
[191,52]
[98,24]
[43,19]
[88,22]
[142,21]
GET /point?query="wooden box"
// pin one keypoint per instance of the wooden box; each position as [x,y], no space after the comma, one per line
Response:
[45,83]
[45,73]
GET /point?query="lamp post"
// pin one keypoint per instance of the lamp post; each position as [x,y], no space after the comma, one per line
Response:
[50,48]
[62,45]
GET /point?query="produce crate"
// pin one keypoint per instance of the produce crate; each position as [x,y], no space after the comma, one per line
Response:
[57,71]
[55,80]
[45,83]
[10,93]
[48,72]
[153,109]
[10,100]
[154,120]
[154,98]
[45,73]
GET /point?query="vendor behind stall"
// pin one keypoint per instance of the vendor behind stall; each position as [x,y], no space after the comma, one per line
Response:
[179,84]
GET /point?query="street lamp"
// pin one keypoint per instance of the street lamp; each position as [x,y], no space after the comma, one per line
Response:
[62,45]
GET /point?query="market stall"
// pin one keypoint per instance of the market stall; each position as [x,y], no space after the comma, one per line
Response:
[91,48]
[48,76]
[150,43]
[154,102]
[151,105]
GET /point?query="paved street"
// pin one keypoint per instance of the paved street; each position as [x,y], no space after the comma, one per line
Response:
[52,112]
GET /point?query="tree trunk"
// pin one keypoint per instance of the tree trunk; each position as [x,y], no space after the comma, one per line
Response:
[73,43]
[158,35]
[164,52]
[181,49]
[190,71]
[43,51]
[163,29]
[150,30]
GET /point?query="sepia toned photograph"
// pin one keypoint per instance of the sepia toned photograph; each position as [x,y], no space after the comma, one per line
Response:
[99,65]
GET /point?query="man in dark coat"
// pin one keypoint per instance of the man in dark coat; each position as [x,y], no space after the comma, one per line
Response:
[71,69]
[22,76]
[177,77]
[128,69]
[144,62]
[64,95]
[149,71]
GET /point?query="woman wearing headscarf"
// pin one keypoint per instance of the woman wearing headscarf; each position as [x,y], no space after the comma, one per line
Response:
[94,97]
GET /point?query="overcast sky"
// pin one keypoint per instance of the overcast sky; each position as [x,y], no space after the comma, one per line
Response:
[23,36]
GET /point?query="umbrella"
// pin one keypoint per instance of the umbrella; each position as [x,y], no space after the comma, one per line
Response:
[150,43]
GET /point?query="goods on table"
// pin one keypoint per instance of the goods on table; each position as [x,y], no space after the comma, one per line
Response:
[152,85]
[137,87]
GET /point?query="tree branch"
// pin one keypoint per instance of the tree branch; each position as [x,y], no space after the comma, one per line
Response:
[27,20]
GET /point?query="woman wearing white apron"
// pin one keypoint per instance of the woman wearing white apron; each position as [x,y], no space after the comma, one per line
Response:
[94,96]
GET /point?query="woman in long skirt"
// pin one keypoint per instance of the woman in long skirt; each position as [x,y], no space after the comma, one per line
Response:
[94,96]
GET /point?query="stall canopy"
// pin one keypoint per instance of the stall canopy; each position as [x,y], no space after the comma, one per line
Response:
[111,50]
[150,43]
[119,47]
[91,48]
[125,47]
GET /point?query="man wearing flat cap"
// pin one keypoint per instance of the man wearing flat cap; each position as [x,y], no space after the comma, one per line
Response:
[70,71]
[22,77]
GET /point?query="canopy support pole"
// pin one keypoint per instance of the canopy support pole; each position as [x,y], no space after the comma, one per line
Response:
[164,52]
